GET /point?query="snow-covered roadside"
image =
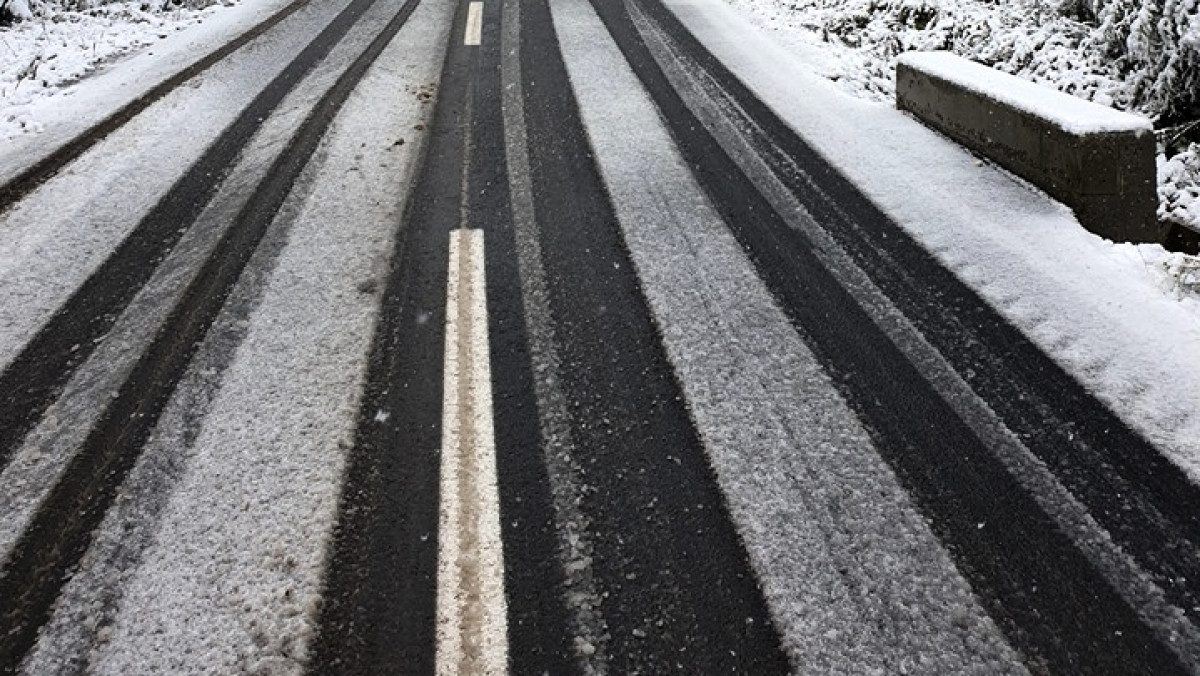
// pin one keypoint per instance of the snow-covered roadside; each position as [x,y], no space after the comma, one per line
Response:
[1102,310]
[855,44]
[57,76]
[41,58]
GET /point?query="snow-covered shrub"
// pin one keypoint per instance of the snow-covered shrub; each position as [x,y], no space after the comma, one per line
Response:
[12,11]
[1156,45]
[1179,187]
[1142,55]
[1040,40]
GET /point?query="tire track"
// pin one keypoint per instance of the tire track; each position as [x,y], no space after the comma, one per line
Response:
[1037,591]
[60,531]
[649,499]
[28,180]
[35,377]
[380,587]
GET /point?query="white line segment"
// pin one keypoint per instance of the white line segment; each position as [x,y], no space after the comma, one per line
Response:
[474,32]
[472,624]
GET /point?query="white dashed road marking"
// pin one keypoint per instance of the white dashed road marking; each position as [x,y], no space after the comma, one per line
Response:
[474,30]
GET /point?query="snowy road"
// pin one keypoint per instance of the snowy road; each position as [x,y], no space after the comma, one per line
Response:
[415,336]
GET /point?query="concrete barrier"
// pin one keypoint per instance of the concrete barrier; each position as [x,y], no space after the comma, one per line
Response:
[1096,160]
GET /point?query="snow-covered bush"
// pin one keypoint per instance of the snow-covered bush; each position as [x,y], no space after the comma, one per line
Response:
[1155,44]
[1142,55]
[12,11]
[1179,187]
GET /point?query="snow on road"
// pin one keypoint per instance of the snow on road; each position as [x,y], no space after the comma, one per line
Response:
[855,579]
[1124,318]
[52,241]
[1121,318]
[212,559]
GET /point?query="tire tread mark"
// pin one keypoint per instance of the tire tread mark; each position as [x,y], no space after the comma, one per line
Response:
[61,530]
[35,378]
[539,633]
[1141,498]
[1050,601]
[678,594]
[28,180]
[379,587]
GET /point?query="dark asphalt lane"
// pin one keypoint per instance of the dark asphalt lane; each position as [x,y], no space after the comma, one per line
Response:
[629,562]
[676,588]
[679,593]
[381,586]
[539,634]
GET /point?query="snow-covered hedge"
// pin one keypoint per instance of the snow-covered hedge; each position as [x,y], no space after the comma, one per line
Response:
[1155,47]
[12,11]
[1142,55]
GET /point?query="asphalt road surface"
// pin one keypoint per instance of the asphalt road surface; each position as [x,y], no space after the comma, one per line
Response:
[416,336]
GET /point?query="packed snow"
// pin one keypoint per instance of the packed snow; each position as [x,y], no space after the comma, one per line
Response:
[1133,55]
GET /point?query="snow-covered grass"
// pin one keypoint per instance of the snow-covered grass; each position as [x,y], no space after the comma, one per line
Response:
[1137,55]
[44,54]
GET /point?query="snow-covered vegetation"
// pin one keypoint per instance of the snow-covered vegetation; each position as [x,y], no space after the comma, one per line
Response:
[12,11]
[1136,55]
[46,45]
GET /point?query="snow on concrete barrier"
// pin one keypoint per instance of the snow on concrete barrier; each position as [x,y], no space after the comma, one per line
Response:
[1098,161]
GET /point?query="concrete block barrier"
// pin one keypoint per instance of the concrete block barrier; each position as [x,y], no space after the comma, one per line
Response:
[1096,160]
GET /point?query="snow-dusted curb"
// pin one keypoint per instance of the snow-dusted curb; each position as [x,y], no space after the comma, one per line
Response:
[1098,161]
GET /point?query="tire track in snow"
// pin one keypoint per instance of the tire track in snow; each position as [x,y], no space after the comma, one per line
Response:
[588,630]
[16,188]
[1043,622]
[60,530]
[31,382]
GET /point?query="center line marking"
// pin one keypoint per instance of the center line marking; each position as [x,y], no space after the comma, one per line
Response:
[474,32]
[472,619]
